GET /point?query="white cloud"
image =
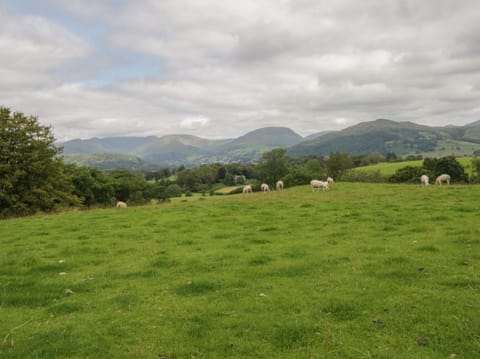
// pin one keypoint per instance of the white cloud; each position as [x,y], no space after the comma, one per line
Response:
[304,64]
[194,123]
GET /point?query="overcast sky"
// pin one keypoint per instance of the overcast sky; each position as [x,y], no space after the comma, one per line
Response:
[221,68]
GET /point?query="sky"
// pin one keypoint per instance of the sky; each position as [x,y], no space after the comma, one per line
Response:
[222,68]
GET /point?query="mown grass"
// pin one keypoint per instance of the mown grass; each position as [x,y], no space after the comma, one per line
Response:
[361,271]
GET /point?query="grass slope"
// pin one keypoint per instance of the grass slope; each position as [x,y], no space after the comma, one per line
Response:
[361,271]
[389,168]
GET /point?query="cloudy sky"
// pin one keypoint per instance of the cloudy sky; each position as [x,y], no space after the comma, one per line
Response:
[221,68]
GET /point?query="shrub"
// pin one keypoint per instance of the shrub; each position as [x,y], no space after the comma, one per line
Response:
[409,174]
[173,190]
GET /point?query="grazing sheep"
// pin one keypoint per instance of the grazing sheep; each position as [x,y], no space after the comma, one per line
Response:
[330,180]
[424,180]
[443,178]
[121,204]
[247,189]
[279,185]
[265,187]
[319,184]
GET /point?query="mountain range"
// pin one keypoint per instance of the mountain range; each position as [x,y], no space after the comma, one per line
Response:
[383,136]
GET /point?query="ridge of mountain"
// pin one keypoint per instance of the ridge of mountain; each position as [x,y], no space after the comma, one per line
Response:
[381,135]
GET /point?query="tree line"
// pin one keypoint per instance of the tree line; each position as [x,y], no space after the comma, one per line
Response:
[34,178]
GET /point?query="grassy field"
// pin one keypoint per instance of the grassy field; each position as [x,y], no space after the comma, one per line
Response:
[389,168]
[361,271]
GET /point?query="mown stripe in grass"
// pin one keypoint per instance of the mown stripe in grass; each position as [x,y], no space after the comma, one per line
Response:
[31,293]
[291,335]
[65,308]
[428,248]
[126,300]
[461,283]
[396,260]
[196,287]
[197,326]
[293,270]
[342,310]
[139,275]
[260,260]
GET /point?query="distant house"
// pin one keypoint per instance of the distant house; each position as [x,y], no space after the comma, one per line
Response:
[240,179]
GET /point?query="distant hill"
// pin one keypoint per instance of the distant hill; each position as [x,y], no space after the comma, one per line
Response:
[315,135]
[473,124]
[109,161]
[386,136]
[175,150]
[252,145]
[383,136]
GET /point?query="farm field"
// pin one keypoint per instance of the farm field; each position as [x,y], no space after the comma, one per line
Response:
[389,168]
[361,271]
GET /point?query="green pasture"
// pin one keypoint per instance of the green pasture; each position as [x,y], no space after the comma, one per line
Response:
[389,168]
[360,271]
[228,189]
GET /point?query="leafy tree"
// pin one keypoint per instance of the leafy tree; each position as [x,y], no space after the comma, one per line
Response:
[229,179]
[173,190]
[273,165]
[130,187]
[32,172]
[192,177]
[391,157]
[409,174]
[91,185]
[476,166]
[337,164]
[314,167]
[221,173]
[297,177]
[449,165]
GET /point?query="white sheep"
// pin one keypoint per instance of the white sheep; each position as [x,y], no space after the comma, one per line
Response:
[264,187]
[443,178]
[319,184]
[121,204]
[330,180]
[247,189]
[424,180]
[279,185]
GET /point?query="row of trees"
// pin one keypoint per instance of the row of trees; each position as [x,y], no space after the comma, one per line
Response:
[33,176]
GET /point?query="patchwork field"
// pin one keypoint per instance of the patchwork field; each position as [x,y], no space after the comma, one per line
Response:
[361,271]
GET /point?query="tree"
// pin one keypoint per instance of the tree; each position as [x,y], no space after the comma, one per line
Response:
[91,185]
[32,176]
[448,165]
[129,187]
[337,164]
[273,165]
[409,174]
[313,167]
[391,157]
[475,170]
[173,190]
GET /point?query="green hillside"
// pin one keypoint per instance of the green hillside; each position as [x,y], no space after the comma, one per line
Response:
[382,136]
[401,138]
[109,161]
[348,273]
[176,150]
[388,169]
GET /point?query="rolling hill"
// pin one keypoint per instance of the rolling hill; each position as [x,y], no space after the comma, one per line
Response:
[175,150]
[109,161]
[386,136]
[383,136]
